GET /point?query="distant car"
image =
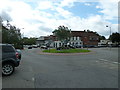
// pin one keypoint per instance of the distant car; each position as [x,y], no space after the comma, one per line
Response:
[78,46]
[29,47]
[43,47]
[71,46]
[35,46]
[19,53]
[10,59]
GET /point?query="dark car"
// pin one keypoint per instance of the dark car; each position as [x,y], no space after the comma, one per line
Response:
[30,47]
[71,46]
[10,59]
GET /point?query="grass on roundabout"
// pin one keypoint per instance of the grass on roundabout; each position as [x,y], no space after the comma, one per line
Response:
[66,51]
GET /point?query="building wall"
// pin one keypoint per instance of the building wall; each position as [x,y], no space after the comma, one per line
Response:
[76,41]
[88,38]
[40,42]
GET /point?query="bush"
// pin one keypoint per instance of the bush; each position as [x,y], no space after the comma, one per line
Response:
[18,46]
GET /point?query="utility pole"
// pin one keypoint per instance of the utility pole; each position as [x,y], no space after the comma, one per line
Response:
[110,34]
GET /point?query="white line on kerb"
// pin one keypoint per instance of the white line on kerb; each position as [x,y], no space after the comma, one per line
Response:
[109,61]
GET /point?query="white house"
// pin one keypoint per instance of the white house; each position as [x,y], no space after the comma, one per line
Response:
[76,41]
[104,43]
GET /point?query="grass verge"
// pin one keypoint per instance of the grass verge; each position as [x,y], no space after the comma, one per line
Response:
[67,51]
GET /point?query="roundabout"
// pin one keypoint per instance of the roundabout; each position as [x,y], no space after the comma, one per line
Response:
[65,52]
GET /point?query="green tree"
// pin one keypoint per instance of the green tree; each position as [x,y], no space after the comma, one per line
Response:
[29,41]
[115,38]
[63,34]
[102,37]
[11,35]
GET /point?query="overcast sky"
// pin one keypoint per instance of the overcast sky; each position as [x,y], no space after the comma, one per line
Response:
[41,17]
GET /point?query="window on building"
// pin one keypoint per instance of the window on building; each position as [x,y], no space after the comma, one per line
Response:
[74,38]
[90,38]
[56,44]
[60,44]
[73,43]
[97,38]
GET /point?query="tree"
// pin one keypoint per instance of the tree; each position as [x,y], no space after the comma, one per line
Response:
[11,35]
[102,37]
[63,34]
[115,38]
[29,41]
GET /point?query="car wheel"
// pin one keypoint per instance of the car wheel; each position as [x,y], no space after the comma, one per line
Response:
[7,69]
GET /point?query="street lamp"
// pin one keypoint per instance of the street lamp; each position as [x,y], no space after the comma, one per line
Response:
[110,34]
[110,28]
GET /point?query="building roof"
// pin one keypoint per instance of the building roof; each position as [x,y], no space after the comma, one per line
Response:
[83,33]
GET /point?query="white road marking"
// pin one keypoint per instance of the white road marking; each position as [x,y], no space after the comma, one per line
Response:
[105,60]
[33,79]
[116,62]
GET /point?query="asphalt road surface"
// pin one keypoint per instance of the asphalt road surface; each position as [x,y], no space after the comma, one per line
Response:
[98,69]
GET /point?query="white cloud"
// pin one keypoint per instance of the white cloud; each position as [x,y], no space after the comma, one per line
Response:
[68,3]
[44,5]
[109,9]
[37,22]
[87,4]
[64,13]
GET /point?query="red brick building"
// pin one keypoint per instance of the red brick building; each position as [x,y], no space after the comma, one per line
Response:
[87,37]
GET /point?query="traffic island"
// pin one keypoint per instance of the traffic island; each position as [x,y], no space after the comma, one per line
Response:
[65,52]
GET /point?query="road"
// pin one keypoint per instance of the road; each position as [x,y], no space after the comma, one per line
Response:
[98,69]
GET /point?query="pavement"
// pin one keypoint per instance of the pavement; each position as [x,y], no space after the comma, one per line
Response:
[98,69]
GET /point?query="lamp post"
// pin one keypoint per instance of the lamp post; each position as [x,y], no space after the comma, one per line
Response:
[110,28]
[110,34]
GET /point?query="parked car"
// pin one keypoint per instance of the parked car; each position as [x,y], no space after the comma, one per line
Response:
[78,46]
[18,51]
[71,46]
[34,46]
[10,59]
[29,47]
[44,47]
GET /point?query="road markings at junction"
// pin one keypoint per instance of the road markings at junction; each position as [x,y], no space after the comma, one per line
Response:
[116,62]
[105,60]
